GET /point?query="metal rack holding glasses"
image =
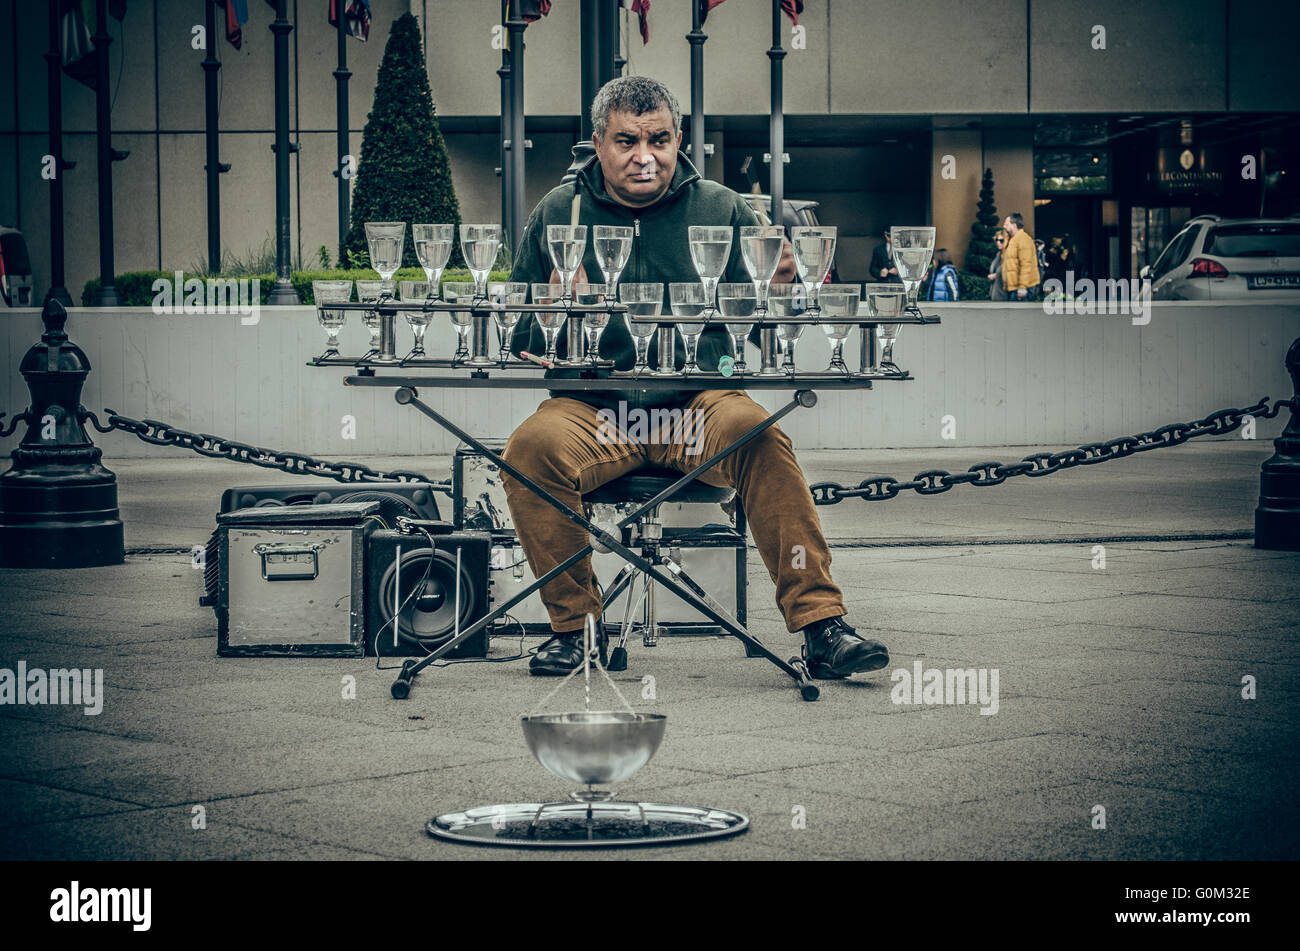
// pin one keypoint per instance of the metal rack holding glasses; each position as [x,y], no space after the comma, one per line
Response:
[596,376]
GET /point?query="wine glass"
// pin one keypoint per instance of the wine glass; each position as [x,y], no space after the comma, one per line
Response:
[479,244]
[566,244]
[760,246]
[331,318]
[710,251]
[814,250]
[912,249]
[737,301]
[504,294]
[551,320]
[594,322]
[838,300]
[464,293]
[689,300]
[433,248]
[415,292]
[643,303]
[884,301]
[612,244]
[386,240]
[369,292]
[788,300]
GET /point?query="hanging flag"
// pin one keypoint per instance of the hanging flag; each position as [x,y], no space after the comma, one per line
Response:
[75,45]
[792,9]
[642,10]
[531,10]
[356,14]
[236,17]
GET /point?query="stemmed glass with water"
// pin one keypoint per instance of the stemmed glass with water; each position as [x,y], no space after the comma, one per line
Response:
[567,243]
[432,249]
[386,241]
[594,322]
[369,292]
[912,249]
[415,292]
[503,295]
[710,251]
[838,300]
[788,300]
[479,245]
[612,245]
[738,303]
[687,300]
[883,302]
[760,247]
[331,318]
[465,293]
[549,320]
[643,303]
[814,250]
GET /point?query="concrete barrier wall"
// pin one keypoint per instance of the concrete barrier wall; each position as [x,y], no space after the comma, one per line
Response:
[1008,376]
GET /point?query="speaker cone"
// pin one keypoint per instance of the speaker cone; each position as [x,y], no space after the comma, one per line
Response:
[422,585]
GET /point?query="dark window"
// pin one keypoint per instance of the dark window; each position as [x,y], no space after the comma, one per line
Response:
[1254,241]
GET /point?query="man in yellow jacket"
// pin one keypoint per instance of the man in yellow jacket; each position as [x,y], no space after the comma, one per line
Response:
[1020,274]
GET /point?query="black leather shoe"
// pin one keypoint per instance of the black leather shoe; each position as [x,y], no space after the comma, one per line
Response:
[833,650]
[558,656]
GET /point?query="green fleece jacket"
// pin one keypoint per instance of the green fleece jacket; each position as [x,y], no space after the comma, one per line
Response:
[660,254]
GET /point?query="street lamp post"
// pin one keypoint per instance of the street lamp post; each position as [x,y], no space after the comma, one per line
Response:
[777,127]
[54,87]
[341,76]
[107,295]
[696,38]
[212,135]
[283,293]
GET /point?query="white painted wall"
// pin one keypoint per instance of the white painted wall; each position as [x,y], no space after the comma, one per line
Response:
[1010,376]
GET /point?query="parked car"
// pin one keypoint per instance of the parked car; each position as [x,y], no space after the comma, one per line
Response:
[1215,258]
[15,269]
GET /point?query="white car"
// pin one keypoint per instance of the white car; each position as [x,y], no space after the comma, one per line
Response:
[1216,258]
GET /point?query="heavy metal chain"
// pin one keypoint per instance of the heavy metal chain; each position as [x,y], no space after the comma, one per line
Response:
[215,447]
[929,482]
[934,481]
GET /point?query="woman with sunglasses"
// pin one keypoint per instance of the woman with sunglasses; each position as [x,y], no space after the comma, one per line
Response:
[996,290]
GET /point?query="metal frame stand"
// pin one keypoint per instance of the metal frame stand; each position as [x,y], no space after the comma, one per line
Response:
[674,580]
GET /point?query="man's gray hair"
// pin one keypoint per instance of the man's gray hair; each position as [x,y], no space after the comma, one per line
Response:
[635,94]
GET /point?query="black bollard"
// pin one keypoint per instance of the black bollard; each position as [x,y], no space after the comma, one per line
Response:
[1277,517]
[58,505]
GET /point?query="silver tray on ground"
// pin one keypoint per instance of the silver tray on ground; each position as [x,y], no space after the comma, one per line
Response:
[569,825]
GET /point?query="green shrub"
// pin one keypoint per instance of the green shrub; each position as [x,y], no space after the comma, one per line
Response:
[403,174]
[972,286]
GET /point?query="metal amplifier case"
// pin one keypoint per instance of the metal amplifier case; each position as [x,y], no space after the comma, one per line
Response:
[292,580]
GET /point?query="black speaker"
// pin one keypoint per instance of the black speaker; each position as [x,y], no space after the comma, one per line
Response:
[419,584]
[410,499]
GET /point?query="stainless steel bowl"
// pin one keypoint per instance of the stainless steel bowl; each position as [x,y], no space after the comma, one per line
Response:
[596,747]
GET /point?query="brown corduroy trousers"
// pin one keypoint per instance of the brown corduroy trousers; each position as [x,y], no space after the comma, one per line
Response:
[569,448]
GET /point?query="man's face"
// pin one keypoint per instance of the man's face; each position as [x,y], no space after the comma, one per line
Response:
[638,155]
[1010,226]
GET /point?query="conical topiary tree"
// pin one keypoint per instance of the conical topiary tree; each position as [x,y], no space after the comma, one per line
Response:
[403,174]
[982,250]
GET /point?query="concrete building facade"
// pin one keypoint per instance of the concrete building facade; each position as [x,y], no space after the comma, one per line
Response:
[894,109]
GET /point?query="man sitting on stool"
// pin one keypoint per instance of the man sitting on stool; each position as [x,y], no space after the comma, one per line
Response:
[639,179]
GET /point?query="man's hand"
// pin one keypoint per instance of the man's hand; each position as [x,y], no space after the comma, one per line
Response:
[1022,294]
[785,271]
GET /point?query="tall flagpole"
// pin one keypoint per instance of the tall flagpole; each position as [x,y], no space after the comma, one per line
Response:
[341,76]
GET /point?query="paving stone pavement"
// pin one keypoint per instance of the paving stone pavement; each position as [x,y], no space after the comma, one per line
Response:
[1118,687]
